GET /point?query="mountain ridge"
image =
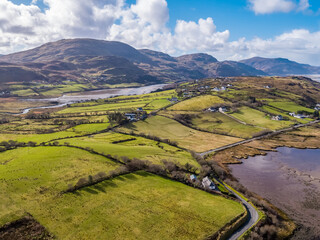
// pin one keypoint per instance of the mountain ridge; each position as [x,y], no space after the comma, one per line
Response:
[112,62]
[280,66]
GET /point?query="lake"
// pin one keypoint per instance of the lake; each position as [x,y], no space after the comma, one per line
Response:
[289,179]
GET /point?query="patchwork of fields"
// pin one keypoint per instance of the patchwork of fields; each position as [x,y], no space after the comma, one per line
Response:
[185,137]
[43,153]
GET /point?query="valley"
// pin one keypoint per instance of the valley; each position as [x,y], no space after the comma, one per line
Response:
[104,157]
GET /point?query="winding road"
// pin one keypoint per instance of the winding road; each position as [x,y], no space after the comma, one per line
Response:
[253,217]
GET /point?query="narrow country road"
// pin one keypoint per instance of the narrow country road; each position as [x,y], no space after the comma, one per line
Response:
[252,212]
[252,220]
[258,138]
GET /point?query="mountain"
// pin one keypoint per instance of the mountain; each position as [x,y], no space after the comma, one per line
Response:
[281,66]
[195,66]
[12,73]
[108,62]
[59,50]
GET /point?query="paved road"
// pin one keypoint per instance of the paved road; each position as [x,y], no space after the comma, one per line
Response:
[260,137]
[252,220]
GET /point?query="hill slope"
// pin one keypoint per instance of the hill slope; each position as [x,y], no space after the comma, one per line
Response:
[280,66]
[76,47]
[107,62]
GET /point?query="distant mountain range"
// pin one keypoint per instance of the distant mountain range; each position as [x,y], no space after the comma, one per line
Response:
[116,62]
[280,66]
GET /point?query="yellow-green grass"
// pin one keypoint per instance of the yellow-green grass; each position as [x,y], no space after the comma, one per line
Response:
[152,101]
[288,95]
[185,137]
[275,111]
[14,105]
[137,206]
[38,138]
[60,89]
[89,128]
[258,118]
[157,104]
[25,93]
[30,175]
[141,148]
[79,130]
[220,123]
[197,103]
[234,93]
[290,106]
[122,106]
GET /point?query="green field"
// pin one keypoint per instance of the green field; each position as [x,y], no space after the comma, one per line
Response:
[137,206]
[149,102]
[157,104]
[140,148]
[30,175]
[290,106]
[188,138]
[197,103]
[220,123]
[89,128]
[257,118]
[72,132]
[121,106]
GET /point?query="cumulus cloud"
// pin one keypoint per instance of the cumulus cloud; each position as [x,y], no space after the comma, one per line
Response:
[144,25]
[272,6]
[300,45]
[27,26]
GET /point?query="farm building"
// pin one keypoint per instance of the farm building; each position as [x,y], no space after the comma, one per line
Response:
[207,183]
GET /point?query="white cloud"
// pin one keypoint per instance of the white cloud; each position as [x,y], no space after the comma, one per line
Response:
[300,45]
[153,12]
[143,25]
[201,36]
[303,5]
[273,6]
[26,25]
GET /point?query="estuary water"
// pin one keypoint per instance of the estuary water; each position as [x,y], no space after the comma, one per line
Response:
[92,95]
[289,179]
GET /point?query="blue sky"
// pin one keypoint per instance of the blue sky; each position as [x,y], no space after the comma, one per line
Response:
[226,29]
[236,16]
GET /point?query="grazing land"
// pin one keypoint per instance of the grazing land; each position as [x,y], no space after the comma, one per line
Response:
[220,123]
[197,103]
[257,118]
[33,175]
[120,167]
[185,137]
[133,147]
[138,205]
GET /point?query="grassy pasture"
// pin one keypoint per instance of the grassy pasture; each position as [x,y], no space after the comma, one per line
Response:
[157,104]
[141,148]
[89,128]
[137,206]
[197,103]
[25,93]
[121,106]
[72,132]
[30,175]
[220,123]
[257,118]
[38,138]
[290,106]
[275,111]
[185,137]
[14,105]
